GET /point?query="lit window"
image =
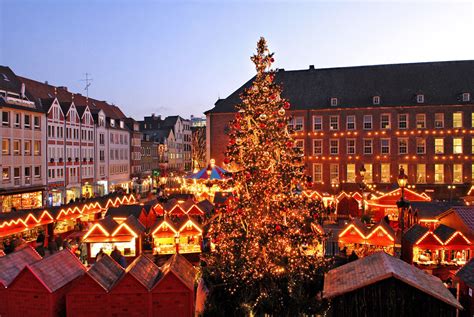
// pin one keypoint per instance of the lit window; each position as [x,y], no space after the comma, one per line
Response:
[385,121]
[421,173]
[37,148]
[472,119]
[368,122]
[439,120]
[368,176]
[420,146]
[317,173]
[457,173]
[317,147]
[420,121]
[333,102]
[5,146]
[385,173]
[351,146]
[5,173]
[457,120]
[439,146]
[16,147]
[420,98]
[367,146]
[351,174]
[334,147]
[457,145]
[376,100]
[27,147]
[403,121]
[385,146]
[334,123]
[351,122]
[334,173]
[299,144]
[402,146]
[439,173]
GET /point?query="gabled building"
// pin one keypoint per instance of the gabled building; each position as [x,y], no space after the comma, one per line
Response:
[135,153]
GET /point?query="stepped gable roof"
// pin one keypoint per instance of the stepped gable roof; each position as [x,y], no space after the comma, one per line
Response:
[145,271]
[182,268]
[444,232]
[123,211]
[57,270]
[396,84]
[106,272]
[45,91]
[205,205]
[429,209]
[466,273]
[381,266]
[135,224]
[415,233]
[12,264]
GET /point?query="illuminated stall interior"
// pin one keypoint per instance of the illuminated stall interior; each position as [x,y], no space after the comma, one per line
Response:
[352,238]
[165,237]
[21,201]
[190,236]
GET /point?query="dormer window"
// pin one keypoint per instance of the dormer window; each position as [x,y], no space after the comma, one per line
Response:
[333,102]
[112,122]
[376,100]
[420,98]
[466,97]
[121,124]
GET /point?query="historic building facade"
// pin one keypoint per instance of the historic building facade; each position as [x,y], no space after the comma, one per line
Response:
[375,118]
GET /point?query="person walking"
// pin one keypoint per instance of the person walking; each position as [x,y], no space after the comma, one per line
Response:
[99,255]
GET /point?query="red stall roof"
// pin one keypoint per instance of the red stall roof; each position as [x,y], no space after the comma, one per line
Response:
[145,271]
[12,264]
[57,270]
[354,232]
[106,272]
[181,268]
[466,273]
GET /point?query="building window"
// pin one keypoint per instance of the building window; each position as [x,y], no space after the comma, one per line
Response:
[28,171]
[334,123]
[368,146]
[472,119]
[457,145]
[17,122]
[37,122]
[439,173]
[376,100]
[439,145]
[385,146]
[296,123]
[334,173]
[37,148]
[5,118]
[16,147]
[351,122]
[6,174]
[466,96]
[5,146]
[420,146]
[385,173]
[27,147]
[420,98]
[421,173]
[420,121]
[299,144]
[351,146]
[457,120]
[334,147]
[403,121]
[385,121]
[368,122]
[317,123]
[317,173]
[351,173]
[402,146]
[27,123]
[457,173]
[439,120]
[317,147]
[334,102]
[368,176]
[16,173]
[37,171]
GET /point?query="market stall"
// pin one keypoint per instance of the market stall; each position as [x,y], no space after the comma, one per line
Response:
[165,237]
[190,237]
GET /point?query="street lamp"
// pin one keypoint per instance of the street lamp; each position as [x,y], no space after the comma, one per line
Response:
[451,188]
[402,204]
[362,186]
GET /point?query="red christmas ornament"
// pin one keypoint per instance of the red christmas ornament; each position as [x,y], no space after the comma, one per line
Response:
[272,59]
[237,126]
[238,116]
[278,228]
[286,105]
[227,160]
[289,144]
[281,124]
[232,141]
[262,125]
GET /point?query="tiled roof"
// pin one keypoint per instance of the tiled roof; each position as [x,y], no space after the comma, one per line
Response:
[124,211]
[205,206]
[10,82]
[13,263]
[182,268]
[381,266]
[108,223]
[106,272]
[58,269]
[466,273]
[382,223]
[415,233]
[444,232]
[466,213]
[429,209]
[135,224]
[396,84]
[145,271]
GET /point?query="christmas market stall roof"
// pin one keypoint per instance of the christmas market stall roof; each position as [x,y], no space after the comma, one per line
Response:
[57,270]
[106,272]
[181,268]
[144,270]
[381,266]
[12,264]
[429,210]
[124,211]
[206,206]
[465,214]
[466,273]
[444,232]
[217,173]
[415,233]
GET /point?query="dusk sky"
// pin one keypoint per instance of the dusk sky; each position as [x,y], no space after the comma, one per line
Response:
[178,57]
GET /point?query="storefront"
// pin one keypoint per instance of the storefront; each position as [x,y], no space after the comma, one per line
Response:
[190,237]
[21,201]
[87,190]
[72,194]
[125,187]
[55,197]
[102,188]
[165,237]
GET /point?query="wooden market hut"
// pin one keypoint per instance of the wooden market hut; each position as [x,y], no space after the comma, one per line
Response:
[164,235]
[382,285]
[347,207]
[465,277]
[121,213]
[173,294]
[88,296]
[382,237]
[421,246]
[40,289]
[130,295]
[173,208]
[353,236]
[460,218]
[190,236]
[10,266]
[456,247]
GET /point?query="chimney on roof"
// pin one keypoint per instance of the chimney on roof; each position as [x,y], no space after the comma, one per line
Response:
[311,66]
[46,82]
[23,90]
[153,115]
[63,88]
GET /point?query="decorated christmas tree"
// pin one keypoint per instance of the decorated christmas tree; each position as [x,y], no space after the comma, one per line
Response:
[264,258]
